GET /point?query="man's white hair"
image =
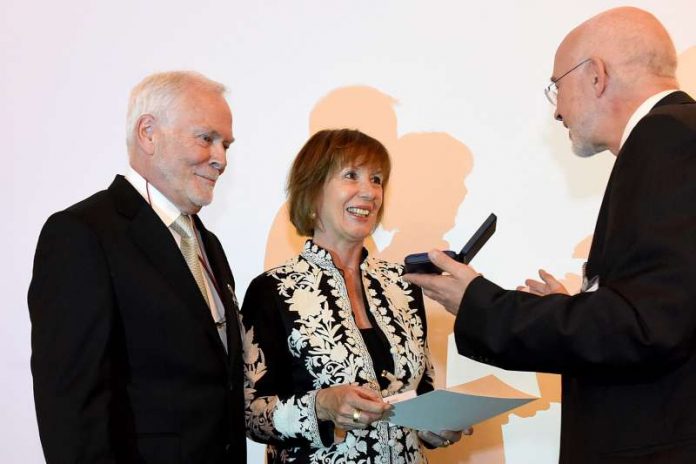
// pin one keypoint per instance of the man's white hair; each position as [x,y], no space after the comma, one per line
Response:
[157,94]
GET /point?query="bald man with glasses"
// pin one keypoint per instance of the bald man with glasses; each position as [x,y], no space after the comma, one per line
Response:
[626,345]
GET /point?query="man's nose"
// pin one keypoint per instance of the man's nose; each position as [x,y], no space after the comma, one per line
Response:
[218,158]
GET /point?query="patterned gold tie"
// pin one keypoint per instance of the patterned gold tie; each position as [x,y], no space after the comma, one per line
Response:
[189,248]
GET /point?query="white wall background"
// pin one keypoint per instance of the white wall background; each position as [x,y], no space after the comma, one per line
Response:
[474,70]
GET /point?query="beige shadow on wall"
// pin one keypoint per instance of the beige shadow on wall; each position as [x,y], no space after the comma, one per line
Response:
[425,193]
[359,107]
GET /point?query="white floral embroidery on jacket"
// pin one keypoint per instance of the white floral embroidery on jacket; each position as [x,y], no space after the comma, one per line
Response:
[300,336]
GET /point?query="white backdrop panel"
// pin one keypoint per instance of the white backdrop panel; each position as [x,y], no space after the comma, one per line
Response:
[473,70]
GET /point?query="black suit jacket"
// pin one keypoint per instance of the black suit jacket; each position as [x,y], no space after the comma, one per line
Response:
[127,363]
[626,352]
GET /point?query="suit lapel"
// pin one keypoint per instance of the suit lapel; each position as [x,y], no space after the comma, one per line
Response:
[223,275]
[595,264]
[156,242]
[675,98]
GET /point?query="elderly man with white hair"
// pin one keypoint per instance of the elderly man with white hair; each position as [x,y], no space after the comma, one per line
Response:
[625,345]
[136,352]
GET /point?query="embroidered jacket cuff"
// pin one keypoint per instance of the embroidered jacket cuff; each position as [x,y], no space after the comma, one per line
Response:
[298,417]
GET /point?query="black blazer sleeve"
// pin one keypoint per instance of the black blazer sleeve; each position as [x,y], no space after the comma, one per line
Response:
[642,318]
[268,372]
[72,314]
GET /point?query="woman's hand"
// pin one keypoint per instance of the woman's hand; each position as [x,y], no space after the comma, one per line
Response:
[443,438]
[350,406]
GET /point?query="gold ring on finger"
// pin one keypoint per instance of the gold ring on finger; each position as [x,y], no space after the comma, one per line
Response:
[356,415]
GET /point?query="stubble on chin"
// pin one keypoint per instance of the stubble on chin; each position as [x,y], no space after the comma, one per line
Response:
[201,199]
[586,150]
[582,151]
[582,145]
[204,200]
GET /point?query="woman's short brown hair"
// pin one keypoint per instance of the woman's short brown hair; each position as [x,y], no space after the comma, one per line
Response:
[326,152]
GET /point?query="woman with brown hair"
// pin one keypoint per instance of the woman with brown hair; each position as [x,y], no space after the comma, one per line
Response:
[333,331]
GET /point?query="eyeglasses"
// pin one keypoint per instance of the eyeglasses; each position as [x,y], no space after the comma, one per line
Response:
[551,90]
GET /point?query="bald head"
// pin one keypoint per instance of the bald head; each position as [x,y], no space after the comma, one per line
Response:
[604,70]
[633,44]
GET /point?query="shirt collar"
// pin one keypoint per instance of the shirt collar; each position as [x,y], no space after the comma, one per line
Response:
[641,111]
[164,208]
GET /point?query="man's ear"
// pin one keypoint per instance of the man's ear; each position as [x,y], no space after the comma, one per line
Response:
[599,76]
[145,133]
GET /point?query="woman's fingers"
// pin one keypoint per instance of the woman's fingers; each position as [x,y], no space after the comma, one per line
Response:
[450,435]
[434,439]
[443,438]
[350,406]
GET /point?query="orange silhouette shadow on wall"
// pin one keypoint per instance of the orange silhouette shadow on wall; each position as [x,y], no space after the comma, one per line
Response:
[359,107]
[425,193]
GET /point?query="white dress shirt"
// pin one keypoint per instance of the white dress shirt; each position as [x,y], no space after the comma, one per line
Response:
[168,213]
